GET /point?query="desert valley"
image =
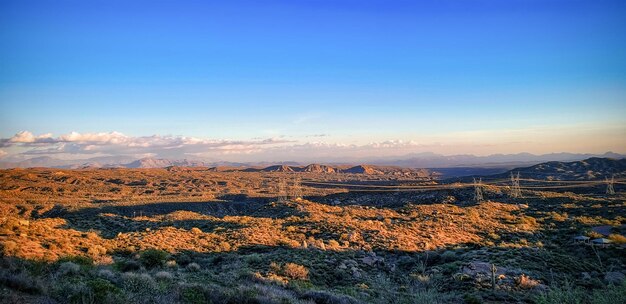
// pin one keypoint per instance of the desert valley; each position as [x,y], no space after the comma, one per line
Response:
[313,152]
[314,234]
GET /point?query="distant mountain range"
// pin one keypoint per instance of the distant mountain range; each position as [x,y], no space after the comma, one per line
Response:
[358,169]
[594,168]
[421,160]
[432,160]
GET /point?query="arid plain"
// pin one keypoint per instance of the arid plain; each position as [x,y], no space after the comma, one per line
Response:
[289,235]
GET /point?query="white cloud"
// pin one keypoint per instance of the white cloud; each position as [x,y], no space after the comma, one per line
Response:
[22,137]
[76,145]
[27,137]
[111,137]
[115,143]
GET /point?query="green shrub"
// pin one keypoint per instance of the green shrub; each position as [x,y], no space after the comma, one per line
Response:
[153,258]
[193,267]
[448,256]
[566,294]
[102,288]
[125,265]
[193,294]
[164,276]
[254,259]
[69,268]
[139,283]
[183,259]
[324,297]
[471,299]
[78,259]
[21,282]
[611,294]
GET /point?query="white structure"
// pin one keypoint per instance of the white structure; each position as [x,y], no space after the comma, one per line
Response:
[582,239]
[601,242]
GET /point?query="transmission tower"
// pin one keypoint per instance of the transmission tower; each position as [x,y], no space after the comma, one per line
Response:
[516,191]
[296,190]
[609,185]
[282,190]
[478,191]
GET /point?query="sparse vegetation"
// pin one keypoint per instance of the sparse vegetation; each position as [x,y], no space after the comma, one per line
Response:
[335,247]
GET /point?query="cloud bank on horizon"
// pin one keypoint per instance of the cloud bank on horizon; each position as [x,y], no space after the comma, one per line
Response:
[76,145]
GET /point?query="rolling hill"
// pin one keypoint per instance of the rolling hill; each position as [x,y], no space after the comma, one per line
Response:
[589,169]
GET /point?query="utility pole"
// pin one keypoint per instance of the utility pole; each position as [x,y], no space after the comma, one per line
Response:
[609,185]
[516,191]
[478,191]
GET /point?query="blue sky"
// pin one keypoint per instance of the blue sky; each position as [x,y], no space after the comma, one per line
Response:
[447,76]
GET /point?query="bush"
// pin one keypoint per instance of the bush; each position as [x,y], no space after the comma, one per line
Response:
[527,220]
[69,268]
[333,245]
[472,299]
[448,256]
[9,247]
[164,276]
[126,266]
[171,264]
[134,282]
[21,282]
[193,267]
[224,247]
[106,274]
[153,258]
[569,294]
[295,271]
[96,251]
[193,294]
[323,297]
[611,294]
[102,288]
[78,259]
